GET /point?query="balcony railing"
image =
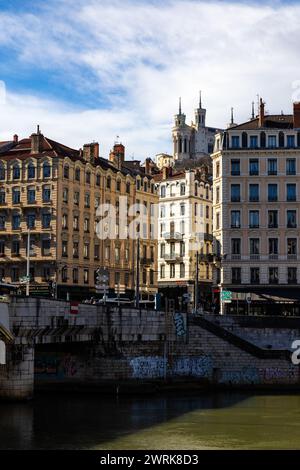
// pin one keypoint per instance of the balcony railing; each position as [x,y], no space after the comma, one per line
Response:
[172,257]
[172,236]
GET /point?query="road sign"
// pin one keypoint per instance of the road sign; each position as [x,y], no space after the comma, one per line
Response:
[226,296]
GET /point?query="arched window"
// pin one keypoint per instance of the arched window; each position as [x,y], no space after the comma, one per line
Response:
[31,171]
[98,179]
[77,174]
[2,172]
[46,170]
[16,171]
[88,177]
[66,171]
[108,182]
[118,185]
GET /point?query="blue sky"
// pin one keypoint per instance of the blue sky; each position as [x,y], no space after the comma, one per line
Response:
[105,68]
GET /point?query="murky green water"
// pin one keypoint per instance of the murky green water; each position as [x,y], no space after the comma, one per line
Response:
[210,421]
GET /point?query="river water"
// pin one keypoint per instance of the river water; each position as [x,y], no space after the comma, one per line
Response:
[203,421]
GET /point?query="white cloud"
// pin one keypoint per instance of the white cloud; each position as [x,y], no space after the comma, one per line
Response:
[142,56]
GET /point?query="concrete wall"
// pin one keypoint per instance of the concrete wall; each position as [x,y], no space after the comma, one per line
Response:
[131,346]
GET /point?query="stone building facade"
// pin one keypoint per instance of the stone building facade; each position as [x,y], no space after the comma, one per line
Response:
[256,187]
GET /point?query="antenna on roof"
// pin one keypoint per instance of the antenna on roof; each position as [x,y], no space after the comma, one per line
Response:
[232,120]
[252,116]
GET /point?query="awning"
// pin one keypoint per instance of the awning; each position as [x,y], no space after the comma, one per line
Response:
[272,293]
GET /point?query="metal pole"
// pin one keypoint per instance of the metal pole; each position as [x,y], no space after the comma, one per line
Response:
[28,265]
[137,287]
[196,282]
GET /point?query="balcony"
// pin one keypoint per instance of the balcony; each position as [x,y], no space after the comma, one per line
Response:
[172,257]
[146,261]
[172,236]
[273,256]
[254,257]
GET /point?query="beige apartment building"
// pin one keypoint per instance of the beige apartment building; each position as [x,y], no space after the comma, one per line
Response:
[52,192]
[256,194]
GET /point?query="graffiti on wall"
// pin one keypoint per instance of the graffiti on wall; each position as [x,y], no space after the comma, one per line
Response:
[154,367]
[246,375]
[57,366]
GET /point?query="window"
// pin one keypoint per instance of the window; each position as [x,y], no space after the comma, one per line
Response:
[75,276]
[253,219]
[66,171]
[182,208]
[235,193]
[117,254]
[217,195]
[98,179]
[77,174]
[2,196]
[291,166]
[271,141]
[162,271]
[235,219]
[236,246]
[218,170]
[272,192]
[272,166]
[182,270]
[218,220]
[46,170]
[162,211]
[2,172]
[254,247]
[253,167]
[273,275]
[86,276]
[15,276]
[46,245]
[236,275]
[254,192]
[107,253]
[145,185]
[118,186]
[182,189]
[2,249]
[86,225]
[64,221]
[31,171]
[291,219]
[235,167]
[108,182]
[291,192]
[182,249]
[64,248]
[2,222]
[16,221]
[76,223]
[46,220]
[253,141]
[15,248]
[273,219]
[86,250]
[65,195]
[254,275]
[172,270]
[76,198]
[235,141]
[31,195]
[273,246]
[292,248]
[292,275]
[207,212]
[128,187]
[46,194]
[75,250]
[182,227]
[64,274]
[88,177]
[86,200]
[96,252]
[290,141]
[16,172]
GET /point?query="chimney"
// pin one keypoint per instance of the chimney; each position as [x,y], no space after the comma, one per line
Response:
[297,115]
[16,139]
[117,156]
[148,166]
[36,141]
[90,152]
[261,118]
[166,172]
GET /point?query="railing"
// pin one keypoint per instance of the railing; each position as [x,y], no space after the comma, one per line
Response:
[172,236]
[172,257]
